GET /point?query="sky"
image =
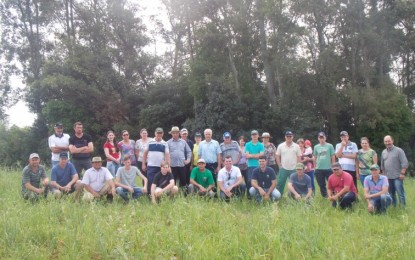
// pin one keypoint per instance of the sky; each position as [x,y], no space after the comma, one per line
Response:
[20,115]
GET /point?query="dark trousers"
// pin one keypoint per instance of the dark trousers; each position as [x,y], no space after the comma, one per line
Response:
[140,167]
[322,176]
[81,164]
[345,201]
[212,167]
[188,171]
[179,173]
[353,173]
[151,173]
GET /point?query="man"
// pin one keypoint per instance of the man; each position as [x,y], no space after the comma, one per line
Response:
[184,136]
[63,177]
[198,140]
[299,184]
[125,181]
[209,150]
[346,152]
[201,180]
[230,181]
[58,143]
[98,182]
[230,147]
[340,188]
[156,152]
[323,158]
[253,150]
[34,180]
[394,165]
[81,147]
[376,191]
[163,183]
[179,151]
[288,155]
[264,182]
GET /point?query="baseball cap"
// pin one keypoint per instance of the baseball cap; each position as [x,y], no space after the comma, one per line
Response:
[288,133]
[321,134]
[33,155]
[342,133]
[374,167]
[63,155]
[254,132]
[198,134]
[59,124]
[159,130]
[299,166]
[184,130]
[226,134]
[96,159]
[201,160]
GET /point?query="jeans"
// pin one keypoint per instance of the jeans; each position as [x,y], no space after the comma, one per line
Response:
[322,176]
[112,167]
[282,179]
[81,164]
[396,186]
[179,173]
[195,189]
[237,191]
[212,168]
[124,193]
[345,201]
[275,194]
[362,179]
[381,203]
[151,173]
[248,180]
[311,174]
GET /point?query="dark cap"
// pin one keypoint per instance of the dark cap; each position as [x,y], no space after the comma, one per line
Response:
[343,133]
[159,130]
[288,133]
[322,134]
[198,134]
[226,134]
[63,155]
[58,124]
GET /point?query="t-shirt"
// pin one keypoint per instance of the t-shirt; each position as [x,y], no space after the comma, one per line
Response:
[376,187]
[141,145]
[264,179]
[367,158]
[83,141]
[302,185]
[156,152]
[63,176]
[209,151]
[289,155]
[252,148]
[61,141]
[337,183]
[112,151]
[232,150]
[347,163]
[229,178]
[195,153]
[162,181]
[128,177]
[29,176]
[202,178]
[127,149]
[323,154]
[96,178]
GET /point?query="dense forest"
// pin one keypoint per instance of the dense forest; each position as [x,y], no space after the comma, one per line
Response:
[232,65]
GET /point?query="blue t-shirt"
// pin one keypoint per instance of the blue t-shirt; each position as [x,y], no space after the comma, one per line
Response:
[254,149]
[63,176]
[264,179]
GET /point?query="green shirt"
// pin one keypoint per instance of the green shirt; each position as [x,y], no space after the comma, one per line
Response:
[202,178]
[323,154]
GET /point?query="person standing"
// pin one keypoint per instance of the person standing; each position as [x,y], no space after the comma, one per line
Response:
[58,143]
[376,191]
[140,147]
[270,152]
[127,147]
[81,148]
[394,165]
[253,151]
[346,152]
[34,179]
[209,150]
[184,136]
[230,147]
[242,164]
[323,158]
[340,188]
[307,159]
[112,153]
[288,155]
[179,151]
[365,158]
[195,151]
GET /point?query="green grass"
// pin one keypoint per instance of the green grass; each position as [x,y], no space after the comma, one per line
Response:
[190,228]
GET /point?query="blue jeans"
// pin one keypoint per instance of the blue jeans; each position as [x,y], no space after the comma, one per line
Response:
[124,193]
[248,179]
[362,179]
[282,179]
[311,174]
[381,203]
[396,186]
[275,195]
[345,201]
[237,191]
[113,168]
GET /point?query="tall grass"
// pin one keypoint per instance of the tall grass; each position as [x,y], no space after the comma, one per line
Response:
[192,228]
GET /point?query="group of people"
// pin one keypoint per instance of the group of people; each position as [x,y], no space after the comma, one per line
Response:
[228,169]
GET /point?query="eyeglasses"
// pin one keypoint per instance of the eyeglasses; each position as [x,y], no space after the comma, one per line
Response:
[125,135]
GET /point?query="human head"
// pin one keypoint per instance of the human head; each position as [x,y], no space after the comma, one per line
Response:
[208,134]
[307,143]
[322,137]
[300,142]
[158,133]
[126,160]
[262,162]
[227,137]
[254,135]
[265,137]
[198,137]
[63,158]
[110,135]
[289,136]
[184,133]
[175,132]
[344,136]
[388,141]
[228,162]
[201,164]
[336,168]
[299,168]
[375,170]
[364,142]
[97,162]
[164,167]
[58,129]
[125,134]
[241,140]
[34,159]
[143,133]
[78,128]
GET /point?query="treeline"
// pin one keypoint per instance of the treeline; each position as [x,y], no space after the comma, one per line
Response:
[233,65]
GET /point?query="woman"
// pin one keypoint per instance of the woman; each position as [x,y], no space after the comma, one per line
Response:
[140,146]
[307,159]
[242,164]
[127,147]
[270,151]
[366,157]
[112,153]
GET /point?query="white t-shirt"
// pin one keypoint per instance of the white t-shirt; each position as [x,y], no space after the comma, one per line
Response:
[55,141]
[229,178]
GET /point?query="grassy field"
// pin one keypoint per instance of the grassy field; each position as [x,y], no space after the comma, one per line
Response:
[190,228]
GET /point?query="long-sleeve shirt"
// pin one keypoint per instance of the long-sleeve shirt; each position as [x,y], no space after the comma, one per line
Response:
[179,151]
[393,160]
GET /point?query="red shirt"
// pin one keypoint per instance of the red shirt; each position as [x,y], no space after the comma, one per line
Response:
[112,151]
[337,183]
